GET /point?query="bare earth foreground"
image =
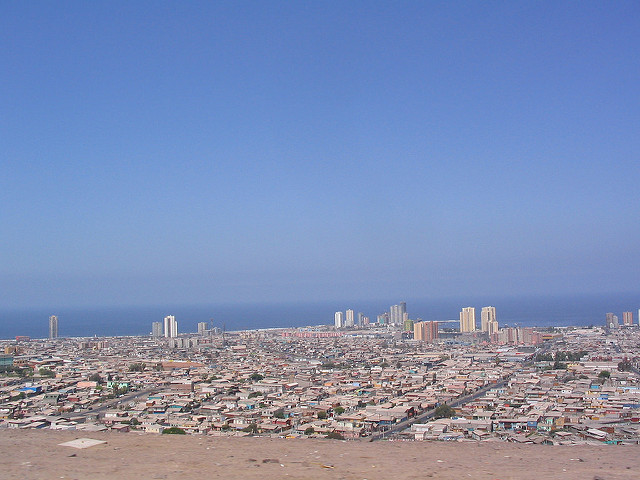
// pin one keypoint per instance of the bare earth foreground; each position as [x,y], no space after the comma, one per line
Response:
[38,455]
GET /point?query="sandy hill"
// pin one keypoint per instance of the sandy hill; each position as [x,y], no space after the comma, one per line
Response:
[38,455]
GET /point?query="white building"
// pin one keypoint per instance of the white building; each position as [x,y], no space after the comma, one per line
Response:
[339,319]
[350,320]
[170,326]
[53,326]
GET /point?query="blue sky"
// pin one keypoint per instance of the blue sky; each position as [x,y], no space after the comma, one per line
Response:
[198,152]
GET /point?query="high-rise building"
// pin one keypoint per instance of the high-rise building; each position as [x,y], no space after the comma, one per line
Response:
[407,325]
[612,320]
[360,318]
[468,320]
[425,331]
[339,319]
[487,315]
[350,318]
[156,329]
[53,326]
[170,326]
[397,313]
[493,327]
[202,328]
[627,318]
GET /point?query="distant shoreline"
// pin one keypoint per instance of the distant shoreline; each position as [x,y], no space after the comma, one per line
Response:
[526,311]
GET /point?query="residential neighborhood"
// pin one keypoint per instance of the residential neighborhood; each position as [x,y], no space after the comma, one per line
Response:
[573,386]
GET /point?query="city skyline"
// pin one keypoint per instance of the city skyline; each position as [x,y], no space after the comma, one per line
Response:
[279,152]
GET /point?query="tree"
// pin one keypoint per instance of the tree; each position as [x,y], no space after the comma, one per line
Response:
[95,377]
[558,365]
[174,431]
[604,374]
[279,413]
[256,377]
[338,410]
[137,367]
[625,366]
[322,414]
[309,431]
[45,372]
[252,428]
[335,436]
[444,411]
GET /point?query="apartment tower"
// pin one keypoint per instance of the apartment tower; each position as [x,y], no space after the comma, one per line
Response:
[53,326]
[170,326]
[468,320]
[488,321]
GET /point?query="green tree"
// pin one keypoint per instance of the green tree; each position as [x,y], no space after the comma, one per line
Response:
[335,436]
[309,431]
[137,367]
[256,377]
[338,410]
[444,411]
[625,366]
[558,365]
[174,431]
[322,414]
[604,374]
[252,428]
[95,377]
[279,413]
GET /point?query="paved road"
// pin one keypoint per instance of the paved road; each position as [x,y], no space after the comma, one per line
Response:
[459,401]
[430,413]
[126,398]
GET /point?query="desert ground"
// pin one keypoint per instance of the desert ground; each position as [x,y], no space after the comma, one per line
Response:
[39,455]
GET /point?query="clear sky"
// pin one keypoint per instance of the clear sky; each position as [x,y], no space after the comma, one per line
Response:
[198,152]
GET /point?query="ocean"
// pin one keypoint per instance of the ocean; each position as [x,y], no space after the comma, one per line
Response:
[540,311]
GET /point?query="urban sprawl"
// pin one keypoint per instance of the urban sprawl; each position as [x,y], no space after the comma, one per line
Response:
[392,379]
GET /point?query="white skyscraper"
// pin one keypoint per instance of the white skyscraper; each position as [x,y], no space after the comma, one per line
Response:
[468,320]
[350,318]
[202,328]
[170,326]
[339,319]
[53,326]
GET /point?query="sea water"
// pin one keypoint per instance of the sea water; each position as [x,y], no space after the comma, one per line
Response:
[541,311]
